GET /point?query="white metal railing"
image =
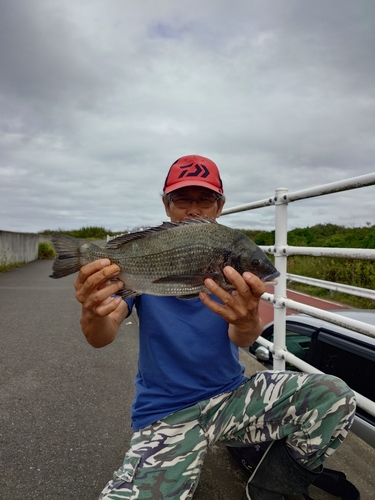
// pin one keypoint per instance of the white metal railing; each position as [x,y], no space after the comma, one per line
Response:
[345,253]
[353,324]
[281,251]
[329,285]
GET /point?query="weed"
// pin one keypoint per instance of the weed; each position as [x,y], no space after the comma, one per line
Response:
[4,267]
[46,250]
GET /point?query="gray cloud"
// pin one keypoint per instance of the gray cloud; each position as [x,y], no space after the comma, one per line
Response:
[98,99]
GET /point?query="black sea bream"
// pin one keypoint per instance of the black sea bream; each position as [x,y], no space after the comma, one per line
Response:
[171,259]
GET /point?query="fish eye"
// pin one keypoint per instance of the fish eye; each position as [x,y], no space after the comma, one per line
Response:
[255,262]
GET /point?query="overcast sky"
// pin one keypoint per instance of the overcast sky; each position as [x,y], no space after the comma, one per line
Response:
[99,97]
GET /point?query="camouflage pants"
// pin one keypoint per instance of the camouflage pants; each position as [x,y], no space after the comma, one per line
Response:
[312,412]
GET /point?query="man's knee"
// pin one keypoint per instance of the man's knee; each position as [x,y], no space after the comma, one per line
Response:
[333,389]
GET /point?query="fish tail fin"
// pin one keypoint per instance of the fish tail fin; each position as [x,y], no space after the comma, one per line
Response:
[68,260]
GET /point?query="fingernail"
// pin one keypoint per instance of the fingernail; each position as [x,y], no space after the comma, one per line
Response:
[228,270]
[208,282]
[120,284]
[247,276]
[105,262]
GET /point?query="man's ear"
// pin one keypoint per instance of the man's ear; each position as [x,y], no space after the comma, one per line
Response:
[166,206]
[220,209]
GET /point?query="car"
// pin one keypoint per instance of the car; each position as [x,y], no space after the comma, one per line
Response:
[334,350]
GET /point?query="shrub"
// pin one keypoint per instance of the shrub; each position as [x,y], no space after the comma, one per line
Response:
[46,250]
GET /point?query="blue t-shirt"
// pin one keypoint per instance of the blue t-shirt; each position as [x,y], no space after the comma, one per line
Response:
[185,356]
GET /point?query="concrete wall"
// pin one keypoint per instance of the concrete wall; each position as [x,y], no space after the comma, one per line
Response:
[18,247]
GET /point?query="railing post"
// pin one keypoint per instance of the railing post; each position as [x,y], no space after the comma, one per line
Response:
[281,232]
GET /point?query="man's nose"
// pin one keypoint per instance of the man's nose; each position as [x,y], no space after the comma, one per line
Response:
[194,208]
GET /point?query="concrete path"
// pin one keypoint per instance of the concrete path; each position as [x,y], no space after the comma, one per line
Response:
[65,407]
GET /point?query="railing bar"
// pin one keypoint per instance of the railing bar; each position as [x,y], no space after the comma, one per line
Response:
[249,206]
[333,187]
[330,285]
[351,253]
[351,324]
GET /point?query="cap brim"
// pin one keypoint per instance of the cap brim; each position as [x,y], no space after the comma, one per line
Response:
[191,182]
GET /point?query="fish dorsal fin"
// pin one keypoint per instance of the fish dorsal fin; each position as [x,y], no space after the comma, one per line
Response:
[119,241]
[126,238]
[198,220]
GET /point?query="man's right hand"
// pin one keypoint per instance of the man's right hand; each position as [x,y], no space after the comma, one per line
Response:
[94,288]
[102,314]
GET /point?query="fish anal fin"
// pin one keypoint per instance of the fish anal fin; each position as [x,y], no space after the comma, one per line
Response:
[126,293]
[188,297]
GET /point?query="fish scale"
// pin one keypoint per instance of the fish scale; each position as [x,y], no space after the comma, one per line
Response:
[171,259]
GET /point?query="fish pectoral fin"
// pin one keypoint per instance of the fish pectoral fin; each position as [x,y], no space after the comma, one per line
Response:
[195,279]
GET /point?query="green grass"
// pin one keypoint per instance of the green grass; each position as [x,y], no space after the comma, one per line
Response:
[46,251]
[4,267]
[88,232]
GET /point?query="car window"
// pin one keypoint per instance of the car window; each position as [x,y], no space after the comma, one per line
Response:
[298,344]
[298,340]
[357,369]
[362,348]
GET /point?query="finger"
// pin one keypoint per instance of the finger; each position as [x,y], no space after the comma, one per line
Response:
[103,295]
[108,306]
[227,311]
[212,304]
[91,276]
[216,290]
[90,269]
[98,287]
[237,280]
[256,285]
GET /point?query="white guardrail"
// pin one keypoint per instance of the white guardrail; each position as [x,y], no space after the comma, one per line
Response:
[281,251]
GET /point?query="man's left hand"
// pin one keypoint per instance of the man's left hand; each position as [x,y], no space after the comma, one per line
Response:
[239,308]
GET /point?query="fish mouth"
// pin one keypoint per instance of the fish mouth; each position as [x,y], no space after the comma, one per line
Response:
[270,279]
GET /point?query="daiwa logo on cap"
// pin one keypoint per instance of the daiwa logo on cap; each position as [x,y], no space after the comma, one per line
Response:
[198,170]
[193,170]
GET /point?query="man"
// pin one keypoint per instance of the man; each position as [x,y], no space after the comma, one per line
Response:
[190,389]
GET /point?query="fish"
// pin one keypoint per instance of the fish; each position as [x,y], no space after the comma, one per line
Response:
[172,259]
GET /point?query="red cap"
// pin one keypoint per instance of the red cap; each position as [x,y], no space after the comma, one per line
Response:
[193,170]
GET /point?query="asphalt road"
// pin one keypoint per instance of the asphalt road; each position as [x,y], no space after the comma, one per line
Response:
[65,406]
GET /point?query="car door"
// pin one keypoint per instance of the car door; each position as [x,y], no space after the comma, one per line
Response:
[298,342]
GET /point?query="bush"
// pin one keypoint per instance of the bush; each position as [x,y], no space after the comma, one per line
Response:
[46,250]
